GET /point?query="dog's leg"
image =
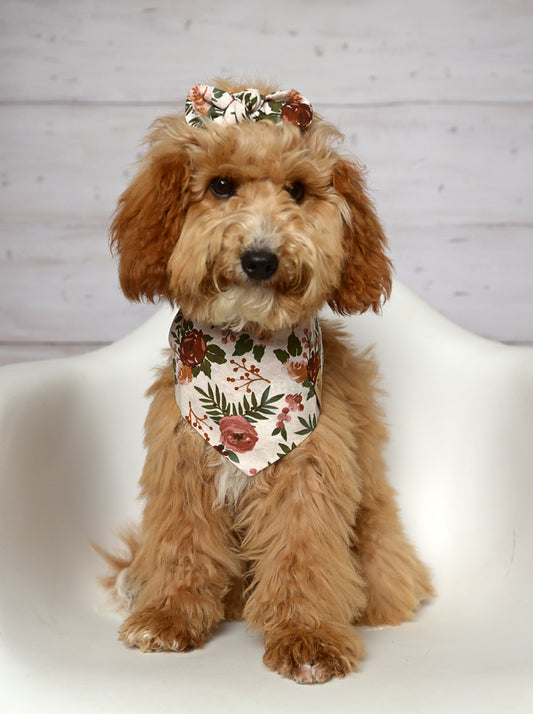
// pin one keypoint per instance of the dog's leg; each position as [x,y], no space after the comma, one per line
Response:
[397,580]
[234,601]
[298,525]
[187,559]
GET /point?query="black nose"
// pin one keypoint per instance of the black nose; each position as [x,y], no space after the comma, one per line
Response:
[259,264]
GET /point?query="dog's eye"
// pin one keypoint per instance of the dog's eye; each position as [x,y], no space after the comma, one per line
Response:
[296,191]
[222,187]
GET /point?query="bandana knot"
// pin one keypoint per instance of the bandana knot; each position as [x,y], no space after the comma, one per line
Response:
[210,103]
[253,400]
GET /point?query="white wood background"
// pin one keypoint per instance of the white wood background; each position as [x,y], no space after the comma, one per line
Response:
[436,97]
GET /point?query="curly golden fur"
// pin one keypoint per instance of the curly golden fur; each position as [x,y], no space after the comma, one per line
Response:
[312,545]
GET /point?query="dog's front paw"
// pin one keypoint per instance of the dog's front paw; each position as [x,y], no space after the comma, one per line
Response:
[153,630]
[314,657]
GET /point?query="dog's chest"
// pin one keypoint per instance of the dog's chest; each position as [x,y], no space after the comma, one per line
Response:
[230,483]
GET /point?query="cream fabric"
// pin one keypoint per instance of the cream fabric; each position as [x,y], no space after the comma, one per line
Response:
[254,401]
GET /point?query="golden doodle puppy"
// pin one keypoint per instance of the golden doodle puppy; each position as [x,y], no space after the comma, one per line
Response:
[264,483]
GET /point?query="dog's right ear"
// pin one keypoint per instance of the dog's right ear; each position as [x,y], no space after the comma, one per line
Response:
[150,213]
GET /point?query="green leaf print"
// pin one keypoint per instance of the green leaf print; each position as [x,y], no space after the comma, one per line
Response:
[259,351]
[216,354]
[285,449]
[205,367]
[282,355]
[308,425]
[243,345]
[294,345]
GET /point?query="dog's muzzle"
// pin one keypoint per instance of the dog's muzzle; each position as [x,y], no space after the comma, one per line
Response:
[259,265]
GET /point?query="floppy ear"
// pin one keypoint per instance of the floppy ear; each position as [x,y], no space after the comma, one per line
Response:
[366,278]
[149,217]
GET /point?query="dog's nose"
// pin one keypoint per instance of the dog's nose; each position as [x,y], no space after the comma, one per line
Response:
[259,264]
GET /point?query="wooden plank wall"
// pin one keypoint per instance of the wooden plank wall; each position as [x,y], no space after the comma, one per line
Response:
[435,98]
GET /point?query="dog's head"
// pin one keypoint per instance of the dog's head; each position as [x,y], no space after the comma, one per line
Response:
[253,223]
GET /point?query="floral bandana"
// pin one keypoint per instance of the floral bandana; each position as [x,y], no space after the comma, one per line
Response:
[253,401]
[204,102]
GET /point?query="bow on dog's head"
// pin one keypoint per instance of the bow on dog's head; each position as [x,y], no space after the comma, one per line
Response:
[205,103]
[244,213]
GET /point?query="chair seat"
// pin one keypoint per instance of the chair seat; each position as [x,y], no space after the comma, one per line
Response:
[460,455]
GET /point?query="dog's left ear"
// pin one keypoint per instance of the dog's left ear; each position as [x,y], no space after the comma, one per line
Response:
[366,278]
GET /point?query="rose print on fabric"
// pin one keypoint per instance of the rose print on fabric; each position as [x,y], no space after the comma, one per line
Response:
[296,369]
[193,348]
[241,414]
[253,401]
[194,351]
[237,434]
[297,113]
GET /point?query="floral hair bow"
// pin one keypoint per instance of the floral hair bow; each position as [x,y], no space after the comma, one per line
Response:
[287,105]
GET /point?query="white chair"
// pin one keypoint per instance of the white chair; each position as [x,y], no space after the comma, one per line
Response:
[461,456]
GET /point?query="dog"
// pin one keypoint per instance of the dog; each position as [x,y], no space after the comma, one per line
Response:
[264,487]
